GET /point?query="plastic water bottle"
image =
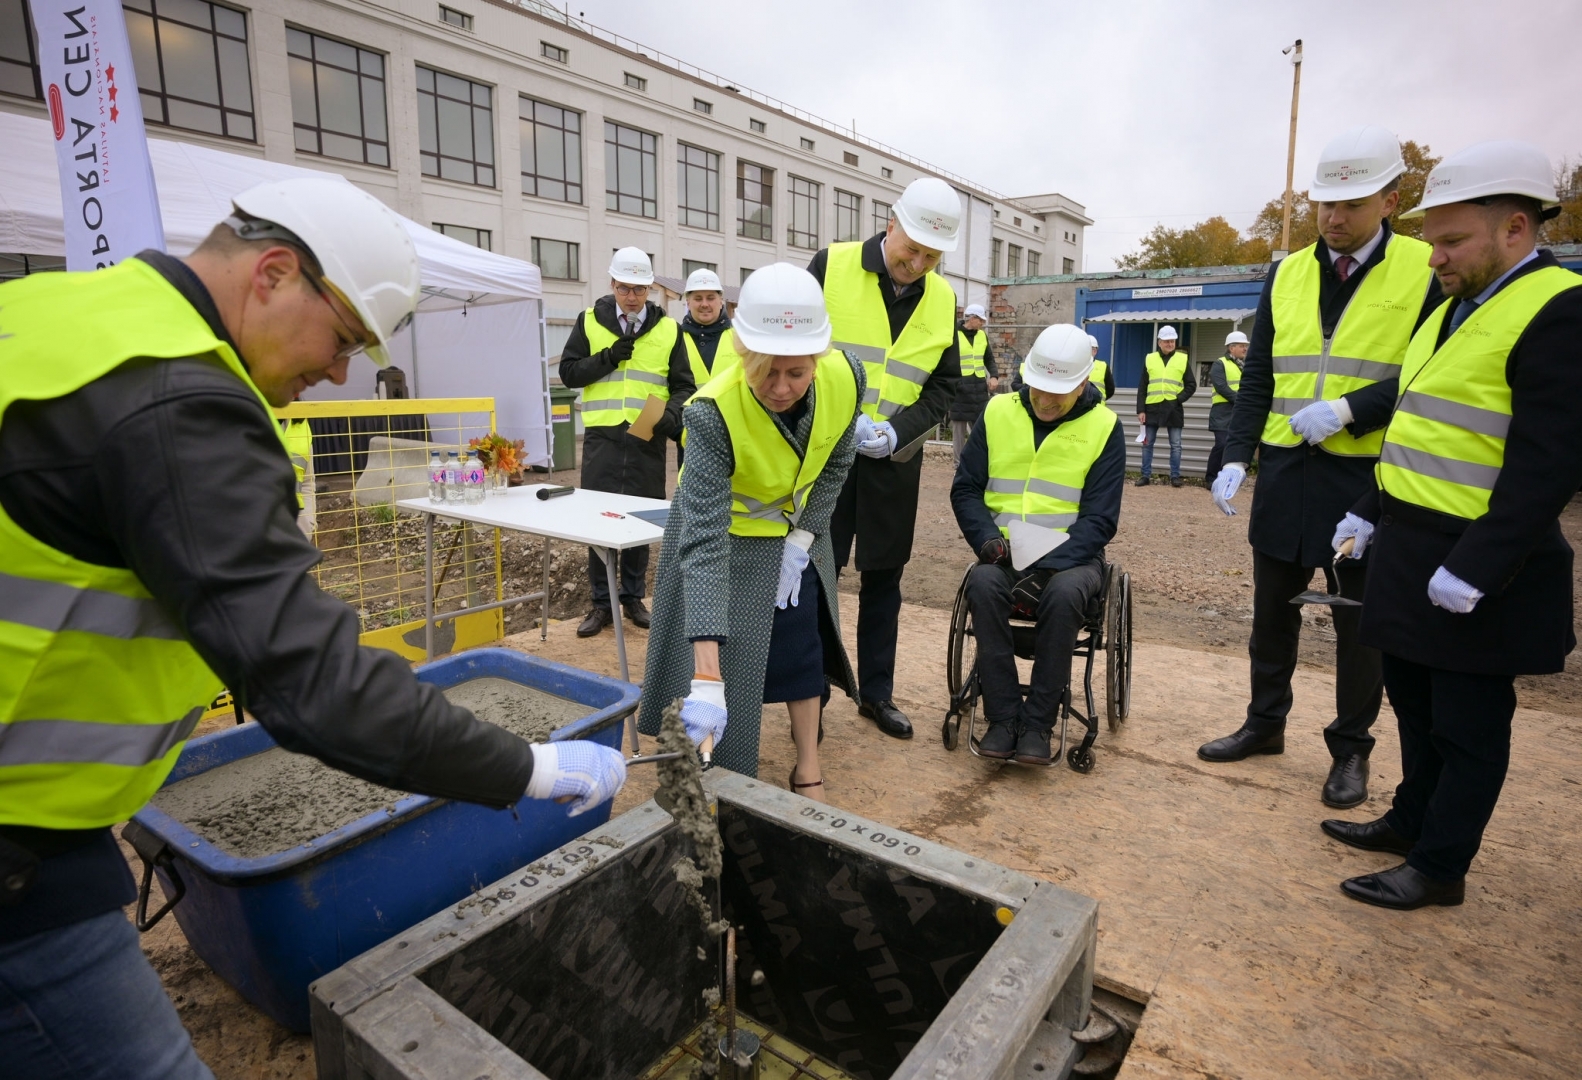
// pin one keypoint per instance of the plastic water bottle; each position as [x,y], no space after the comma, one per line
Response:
[472,485]
[453,478]
[436,477]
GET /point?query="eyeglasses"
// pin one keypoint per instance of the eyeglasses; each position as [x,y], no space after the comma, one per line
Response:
[357,344]
[631,290]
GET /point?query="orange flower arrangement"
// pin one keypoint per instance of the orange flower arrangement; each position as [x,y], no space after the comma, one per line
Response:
[498,452]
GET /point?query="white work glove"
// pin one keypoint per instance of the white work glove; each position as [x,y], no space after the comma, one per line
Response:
[1352,527]
[584,772]
[882,445]
[1451,593]
[793,560]
[1320,420]
[703,711]
[864,428]
[1226,484]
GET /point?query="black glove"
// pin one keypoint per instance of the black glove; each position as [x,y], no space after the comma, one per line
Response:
[1029,587]
[621,351]
[995,552]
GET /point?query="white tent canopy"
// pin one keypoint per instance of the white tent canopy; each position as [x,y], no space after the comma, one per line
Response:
[480,316]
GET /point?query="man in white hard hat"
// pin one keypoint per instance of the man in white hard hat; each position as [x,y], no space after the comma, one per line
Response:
[1166,384]
[705,324]
[1051,455]
[151,556]
[1471,583]
[1103,377]
[899,319]
[1317,388]
[1224,375]
[979,376]
[624,352]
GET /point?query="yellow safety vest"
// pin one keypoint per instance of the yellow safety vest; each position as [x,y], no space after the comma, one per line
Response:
[298,437]
[896,371]
[98,688]
[724,354]
[1166,378]
[771,484]
[1446,441]
[1367,346]
[1232,380]
[1042,486]
[1096,377]
[619,397]
[972,353]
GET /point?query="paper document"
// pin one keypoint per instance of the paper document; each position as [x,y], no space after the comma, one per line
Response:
[1030,542]
[643,426]
[1142,435]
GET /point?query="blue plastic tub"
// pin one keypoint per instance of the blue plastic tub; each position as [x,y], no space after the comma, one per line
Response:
[269,926]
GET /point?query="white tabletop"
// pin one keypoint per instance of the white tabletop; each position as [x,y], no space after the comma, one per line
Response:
[597,518]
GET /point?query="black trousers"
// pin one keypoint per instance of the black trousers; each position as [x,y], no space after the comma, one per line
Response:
[1216,456]
[632,576]
[878,625]
[1061,608]
[1276,630]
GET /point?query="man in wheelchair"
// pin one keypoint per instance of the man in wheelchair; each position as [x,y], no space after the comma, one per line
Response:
[1051,455]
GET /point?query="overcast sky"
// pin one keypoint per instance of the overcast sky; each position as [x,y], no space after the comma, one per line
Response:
[1145,112]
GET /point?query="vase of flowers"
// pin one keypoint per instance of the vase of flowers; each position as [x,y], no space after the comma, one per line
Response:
[501,457]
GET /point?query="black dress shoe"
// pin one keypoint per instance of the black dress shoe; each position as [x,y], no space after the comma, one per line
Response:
[999,742]
[1141,481]
[1367,835]
[1032,746]
[1404,889]
[597,620]
[1347,785]
[1242,744]
[637,611]
[1175,481]
[890,720]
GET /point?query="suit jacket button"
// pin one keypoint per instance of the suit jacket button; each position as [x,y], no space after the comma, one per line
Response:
[1388,520]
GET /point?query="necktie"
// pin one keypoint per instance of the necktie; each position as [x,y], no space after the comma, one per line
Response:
[1463,312]
[1344,266]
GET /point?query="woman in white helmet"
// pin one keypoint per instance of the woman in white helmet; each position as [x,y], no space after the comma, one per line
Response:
[744,606]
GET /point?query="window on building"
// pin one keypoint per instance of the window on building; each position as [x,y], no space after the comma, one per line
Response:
[192,66]
[704,107]
[848,215]
[887,172]
[1013,260]
[754,201]
[747,272]
[455,120]
[551,142]
[459,19]
[1033,259]
[994,257]
[881,216]
[631,171]
[688,266]
[18,59]
[1017,222]
[807,143]
[554,52]
[479,238]
[996,215]
[636,82]
[557,259]
[758,126]
[802,228]
[698,187]
[848,157]
[1035,228]
[1068,266]
[337,98]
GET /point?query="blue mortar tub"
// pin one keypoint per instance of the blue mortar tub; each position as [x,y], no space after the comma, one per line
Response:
[269,926]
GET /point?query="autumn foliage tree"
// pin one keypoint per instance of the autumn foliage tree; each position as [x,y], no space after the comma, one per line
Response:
[1566,227]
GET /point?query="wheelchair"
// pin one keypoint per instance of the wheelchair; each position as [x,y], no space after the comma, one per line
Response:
[1107,628]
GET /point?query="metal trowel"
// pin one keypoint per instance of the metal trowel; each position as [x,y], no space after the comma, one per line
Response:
[1332,598]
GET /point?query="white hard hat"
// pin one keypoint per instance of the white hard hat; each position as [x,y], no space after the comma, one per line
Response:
[361,246]
[1357,164]
[630,266]
[929,211]
[1093,342]
[1060,359]
[702,281]
[1167,333]
[781,312]
[1236,337]
[974,311]
[1502,167]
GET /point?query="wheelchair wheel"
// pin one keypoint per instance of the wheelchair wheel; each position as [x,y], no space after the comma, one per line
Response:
[1080,758]
[1118,651]
[950,731]
[962,650]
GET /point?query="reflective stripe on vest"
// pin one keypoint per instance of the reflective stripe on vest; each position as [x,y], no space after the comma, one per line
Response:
[619,397]
[1367,346]
[770,484]
[1232,380]
[98,688]
[896,371]
[1445,444]
[724,352]
[1042,486]
[1096,377]
[1166,378]
[298,437]
[972,348]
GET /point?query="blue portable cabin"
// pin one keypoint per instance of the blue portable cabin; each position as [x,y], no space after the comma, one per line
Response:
[1125,320]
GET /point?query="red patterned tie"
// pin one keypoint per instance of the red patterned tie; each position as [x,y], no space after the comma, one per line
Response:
[1344,266]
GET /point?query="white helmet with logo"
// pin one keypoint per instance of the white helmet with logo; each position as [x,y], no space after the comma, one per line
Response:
[781,312]
[361,245]
[1358,163]
[703,281]
[1236,337]
[974,311]
[1093,342]
[630,266]
[929,211]
[1059,360]
[1500,167]
[1167,333]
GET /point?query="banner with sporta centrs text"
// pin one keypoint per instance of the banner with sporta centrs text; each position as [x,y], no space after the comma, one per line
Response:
[106,179]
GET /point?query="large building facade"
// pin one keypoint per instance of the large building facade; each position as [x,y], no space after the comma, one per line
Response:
[510,126]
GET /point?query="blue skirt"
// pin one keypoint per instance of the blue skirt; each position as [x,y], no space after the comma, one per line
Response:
[796,650]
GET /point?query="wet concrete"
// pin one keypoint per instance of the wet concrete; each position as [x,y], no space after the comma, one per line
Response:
[276,800]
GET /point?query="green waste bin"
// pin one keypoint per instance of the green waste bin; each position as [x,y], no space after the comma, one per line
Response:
[563,427]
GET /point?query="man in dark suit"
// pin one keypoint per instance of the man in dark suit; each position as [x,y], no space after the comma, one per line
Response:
[1471,577]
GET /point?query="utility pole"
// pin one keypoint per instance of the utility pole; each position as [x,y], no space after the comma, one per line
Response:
[1295,53]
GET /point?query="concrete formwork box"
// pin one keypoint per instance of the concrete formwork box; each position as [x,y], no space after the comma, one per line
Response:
[885,954]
